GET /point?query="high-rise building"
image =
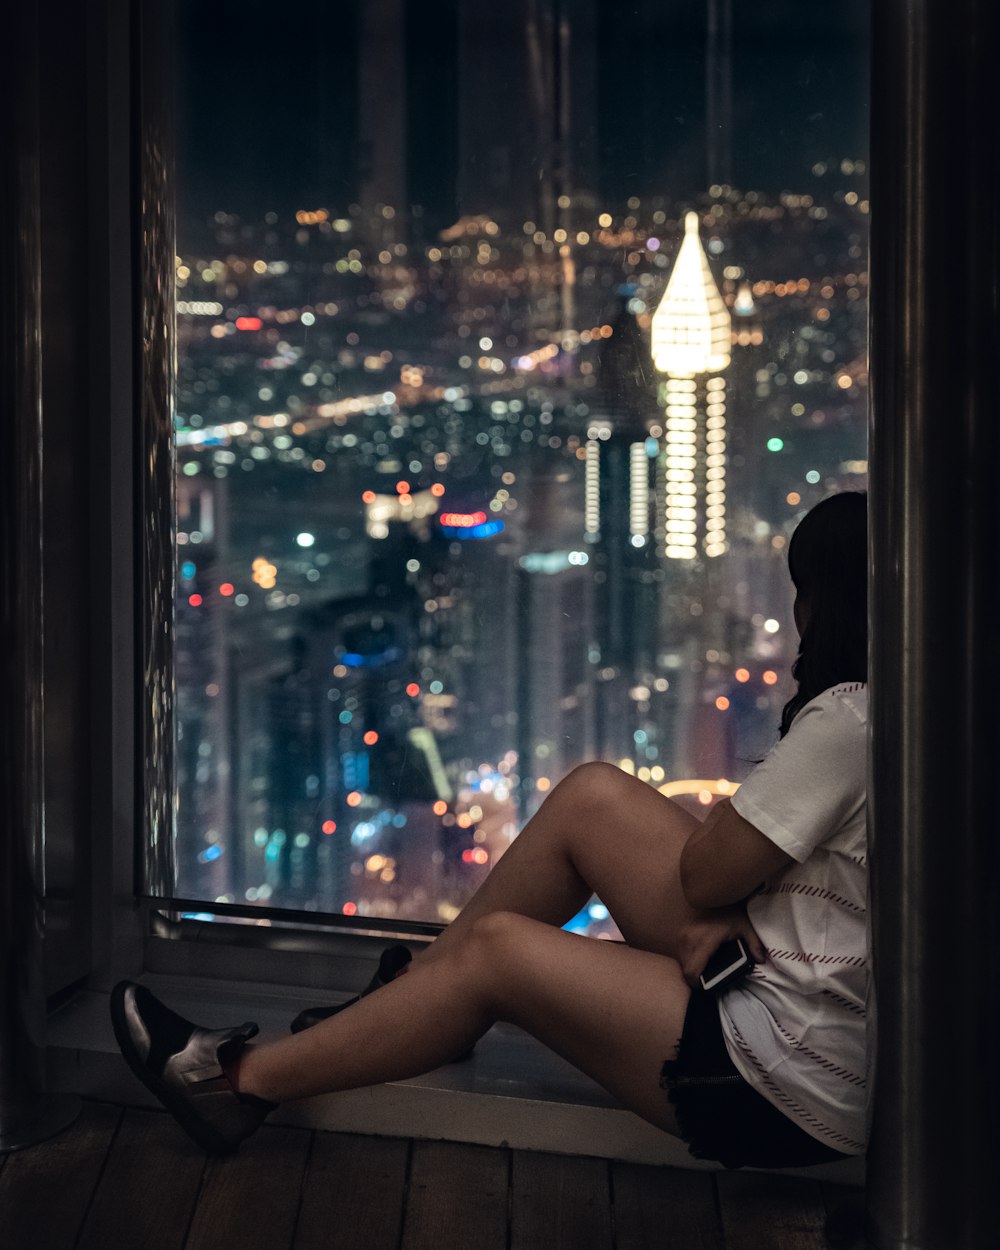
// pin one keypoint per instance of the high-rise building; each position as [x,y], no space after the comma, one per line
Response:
[527,110]
[620,468]
[691,344]
[719,92]
[556,686]
[746,421]
[382,116]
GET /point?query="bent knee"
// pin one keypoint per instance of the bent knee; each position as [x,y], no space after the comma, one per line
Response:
[502,937]
[495,928]
[497,949]
[593,783]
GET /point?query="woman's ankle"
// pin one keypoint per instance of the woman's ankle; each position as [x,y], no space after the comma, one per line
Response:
[232,1070]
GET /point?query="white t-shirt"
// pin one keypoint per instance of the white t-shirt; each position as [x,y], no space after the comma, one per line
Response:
[795,1026]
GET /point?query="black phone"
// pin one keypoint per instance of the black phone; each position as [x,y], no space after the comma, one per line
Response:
[730,962]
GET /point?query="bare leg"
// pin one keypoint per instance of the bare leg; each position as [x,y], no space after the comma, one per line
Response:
[600,832]
[615,1012]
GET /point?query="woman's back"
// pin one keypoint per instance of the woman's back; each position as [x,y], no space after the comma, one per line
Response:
[795,1027]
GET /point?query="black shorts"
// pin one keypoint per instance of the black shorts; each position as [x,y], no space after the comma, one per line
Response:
[720,1115]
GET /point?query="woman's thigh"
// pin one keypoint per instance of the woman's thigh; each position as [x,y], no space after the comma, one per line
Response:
[625,840]
[614,1012]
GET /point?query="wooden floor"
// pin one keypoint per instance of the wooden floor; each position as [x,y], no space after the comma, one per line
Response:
[122,1178]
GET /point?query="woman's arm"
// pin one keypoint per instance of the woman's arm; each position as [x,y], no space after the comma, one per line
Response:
[727,859]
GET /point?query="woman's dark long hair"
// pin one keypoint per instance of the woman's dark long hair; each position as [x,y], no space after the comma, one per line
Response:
[828,563]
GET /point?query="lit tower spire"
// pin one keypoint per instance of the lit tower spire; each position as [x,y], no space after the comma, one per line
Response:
[691,341]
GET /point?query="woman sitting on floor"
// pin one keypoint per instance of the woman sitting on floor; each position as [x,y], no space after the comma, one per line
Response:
[769,1072]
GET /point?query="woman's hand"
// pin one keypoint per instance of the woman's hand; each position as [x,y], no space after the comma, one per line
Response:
[702,936]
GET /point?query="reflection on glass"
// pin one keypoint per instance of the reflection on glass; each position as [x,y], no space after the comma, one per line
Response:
[498,400]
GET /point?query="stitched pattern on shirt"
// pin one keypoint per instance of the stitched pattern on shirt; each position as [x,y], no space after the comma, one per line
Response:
[848,687]
[855,961]
[848,1144]
[815,891]
[844,1073]
[845,1003]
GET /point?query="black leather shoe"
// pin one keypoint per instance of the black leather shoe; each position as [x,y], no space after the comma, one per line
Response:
[394,958]
[186,1075]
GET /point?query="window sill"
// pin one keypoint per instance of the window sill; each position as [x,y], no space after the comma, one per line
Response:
[514,1092]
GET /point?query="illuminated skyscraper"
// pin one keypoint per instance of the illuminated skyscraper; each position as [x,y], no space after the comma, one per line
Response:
[691,344]
[620,474]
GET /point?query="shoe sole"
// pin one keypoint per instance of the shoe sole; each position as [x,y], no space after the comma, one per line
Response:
[201,1133]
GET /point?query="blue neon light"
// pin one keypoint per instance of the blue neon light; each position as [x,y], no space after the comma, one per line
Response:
[352,659]
[486,530]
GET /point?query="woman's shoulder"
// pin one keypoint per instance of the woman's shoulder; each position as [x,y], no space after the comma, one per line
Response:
[847,699]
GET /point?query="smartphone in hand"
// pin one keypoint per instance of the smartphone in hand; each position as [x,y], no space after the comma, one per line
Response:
[730,962]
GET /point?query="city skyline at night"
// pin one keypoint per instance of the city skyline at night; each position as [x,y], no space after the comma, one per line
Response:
[427,474]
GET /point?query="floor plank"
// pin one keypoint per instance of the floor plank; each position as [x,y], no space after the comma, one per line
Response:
[148,1190]
[779,1212]
[131,1178]
[250,1200]
[46,1189]
[561,1202]
[353,1193]
[457,1197]
[661,1208]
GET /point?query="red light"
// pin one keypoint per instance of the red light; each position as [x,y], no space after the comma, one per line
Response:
[329,826]
[371,737]
[467,856]
[440,807]
[742,674]
[368,497]
[226,589]
[722,703]
[462,520]
[353,799]
[350,909]
[248,323]
[437,489]
[195,601]
[770,677]
[402,488]
[413,689]
[475,855]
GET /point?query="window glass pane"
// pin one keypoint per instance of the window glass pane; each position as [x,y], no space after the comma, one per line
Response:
[513,342]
